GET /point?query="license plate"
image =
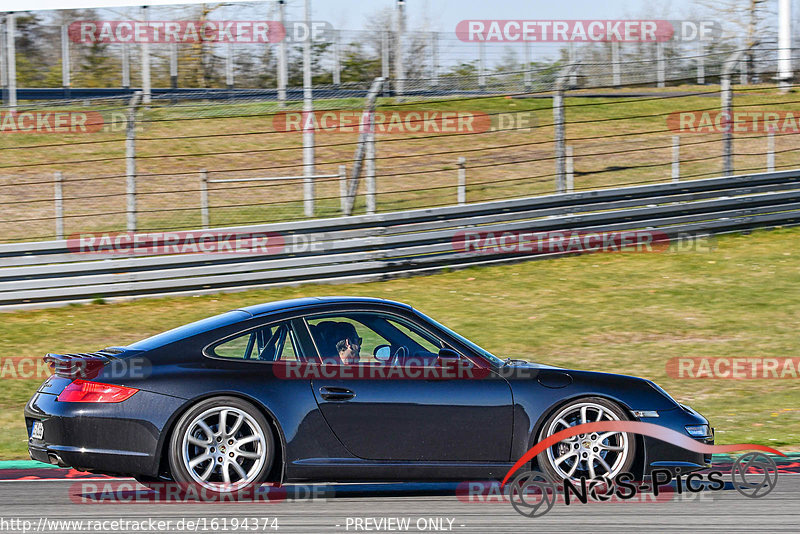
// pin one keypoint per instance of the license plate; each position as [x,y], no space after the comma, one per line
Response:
[38,430]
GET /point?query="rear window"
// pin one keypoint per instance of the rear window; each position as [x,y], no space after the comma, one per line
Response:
[191,329]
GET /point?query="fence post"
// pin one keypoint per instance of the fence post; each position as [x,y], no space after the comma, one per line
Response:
[173,70]
[615,66]
[726,97]
[59,205]
[461,192]
[526,73]
[283,73]
[570,170]
[785,45]
[771,150]
[342,188]
[661,64]
[11,61]
[126,66]
[204,218]
[558,126]
[146,85]
[337,65]
[369,167]
[366,125]
[399,67]
[308,125]
[229,66]
[385,59]
[65,63]
[701,63]
[676,158]
[481,65]
[434,43]
[130,161]
[3,61]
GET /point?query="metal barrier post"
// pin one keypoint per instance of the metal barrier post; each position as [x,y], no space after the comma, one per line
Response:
[615,66]
[676,158]
[59,205]
[461,191]
[130,161]
[204,218]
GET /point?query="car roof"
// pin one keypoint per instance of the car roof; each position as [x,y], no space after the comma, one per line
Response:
[279,305]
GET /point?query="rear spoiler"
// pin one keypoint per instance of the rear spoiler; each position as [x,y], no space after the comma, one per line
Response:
[80,365]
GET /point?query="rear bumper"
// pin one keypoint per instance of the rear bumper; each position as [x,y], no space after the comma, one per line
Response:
[120,438]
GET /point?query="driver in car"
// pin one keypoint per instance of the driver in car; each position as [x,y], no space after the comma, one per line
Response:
[349,346]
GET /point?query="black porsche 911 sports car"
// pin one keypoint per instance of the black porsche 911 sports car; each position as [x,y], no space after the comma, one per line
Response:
[336,389]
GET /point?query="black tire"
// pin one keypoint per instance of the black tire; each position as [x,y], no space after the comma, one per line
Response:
[257,474]
[578,447]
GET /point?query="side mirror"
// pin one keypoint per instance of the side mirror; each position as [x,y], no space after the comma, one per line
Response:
[448,354]
[382,353]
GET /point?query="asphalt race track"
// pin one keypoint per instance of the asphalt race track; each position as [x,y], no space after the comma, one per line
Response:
[426,510]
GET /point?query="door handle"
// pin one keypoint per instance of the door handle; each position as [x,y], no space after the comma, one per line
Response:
[336,394]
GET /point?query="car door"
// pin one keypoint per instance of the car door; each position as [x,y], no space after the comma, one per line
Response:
[395,409]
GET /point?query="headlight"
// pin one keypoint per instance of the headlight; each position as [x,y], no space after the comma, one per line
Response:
[698,431]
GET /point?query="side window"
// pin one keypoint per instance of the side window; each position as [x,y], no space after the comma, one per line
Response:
[364,333]
[236,348]
[269,343]
[329,331]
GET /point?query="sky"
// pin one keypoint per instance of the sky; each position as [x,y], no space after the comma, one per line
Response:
[438,15]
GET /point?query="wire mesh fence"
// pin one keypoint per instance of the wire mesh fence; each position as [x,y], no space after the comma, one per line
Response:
[505,129]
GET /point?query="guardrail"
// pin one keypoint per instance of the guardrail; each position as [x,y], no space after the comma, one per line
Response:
[372,247]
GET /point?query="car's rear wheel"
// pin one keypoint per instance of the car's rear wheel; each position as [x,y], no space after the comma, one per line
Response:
[591,455]
[223,445]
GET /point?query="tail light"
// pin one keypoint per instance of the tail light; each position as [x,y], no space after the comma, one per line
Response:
[86,391]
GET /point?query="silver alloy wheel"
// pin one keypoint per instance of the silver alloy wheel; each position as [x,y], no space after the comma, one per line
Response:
[224,448]
[591,455]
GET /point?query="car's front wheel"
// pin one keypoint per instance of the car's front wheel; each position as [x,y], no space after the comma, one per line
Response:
[590,455]
[222,444]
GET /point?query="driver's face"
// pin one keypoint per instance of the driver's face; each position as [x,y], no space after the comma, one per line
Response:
[350,353]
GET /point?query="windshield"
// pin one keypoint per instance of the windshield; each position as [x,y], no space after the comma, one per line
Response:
[483,352]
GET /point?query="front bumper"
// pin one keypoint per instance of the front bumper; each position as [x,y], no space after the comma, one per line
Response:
[120,438]
[662,455]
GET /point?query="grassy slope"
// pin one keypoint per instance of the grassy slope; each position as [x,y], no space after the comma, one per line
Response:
[624,313]
[413,170]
